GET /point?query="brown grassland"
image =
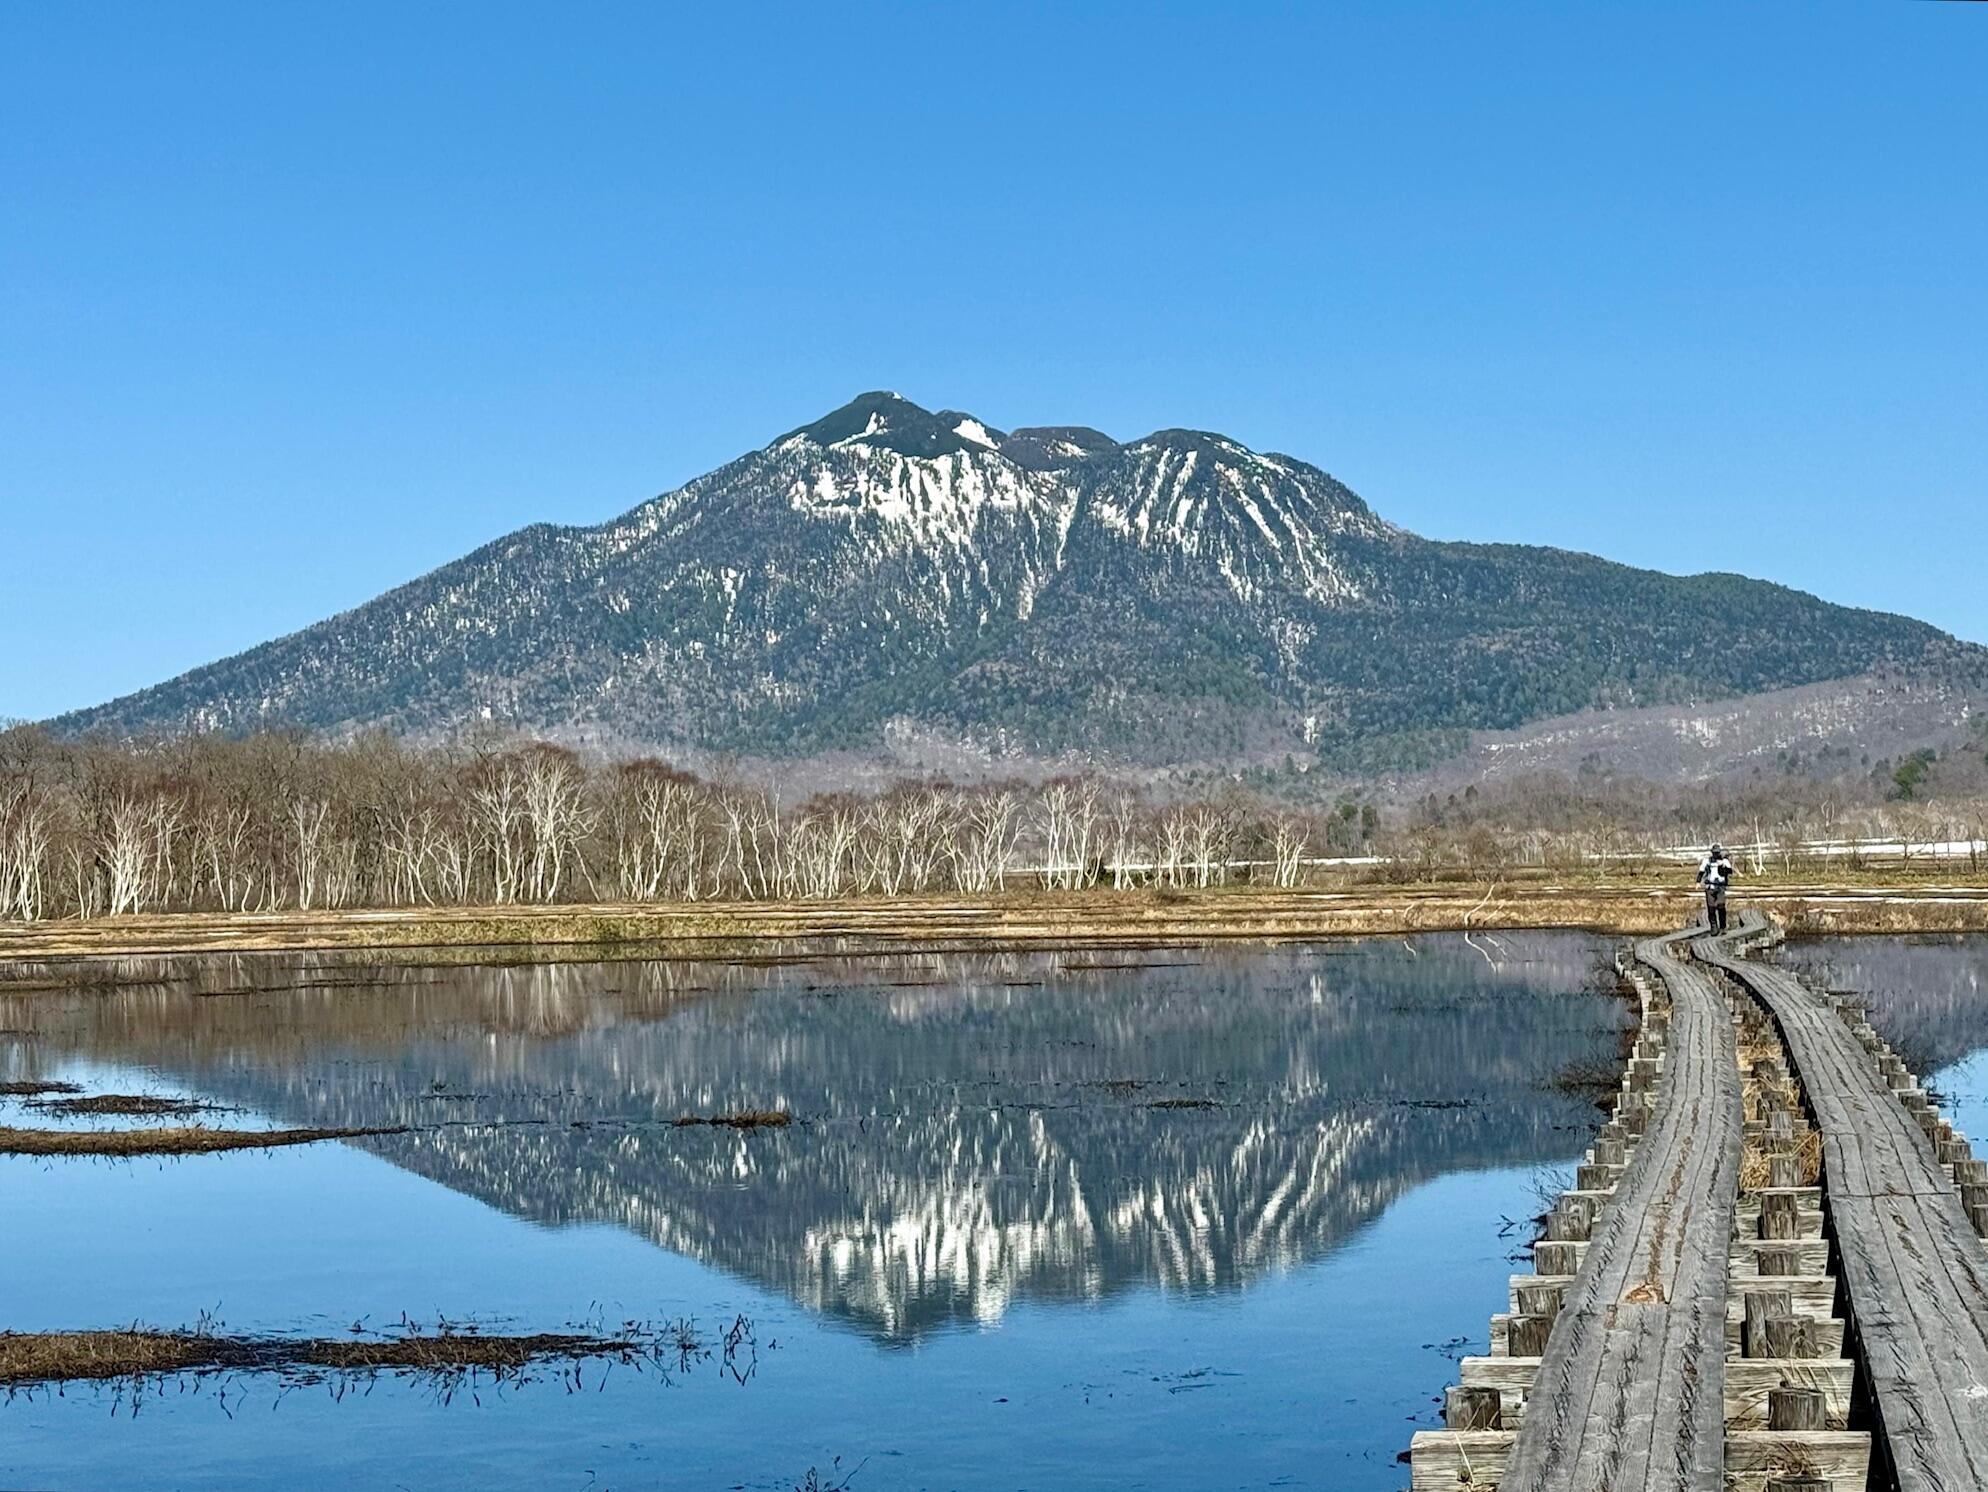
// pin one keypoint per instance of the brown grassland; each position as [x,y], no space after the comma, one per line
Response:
[1896,899]
[182,1139]
[69,1356]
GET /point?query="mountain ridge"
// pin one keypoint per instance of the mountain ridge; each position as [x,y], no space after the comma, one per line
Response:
[1048,589]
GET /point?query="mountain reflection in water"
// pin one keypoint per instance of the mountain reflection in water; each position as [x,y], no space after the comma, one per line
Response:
[1928,992]
[973,1128]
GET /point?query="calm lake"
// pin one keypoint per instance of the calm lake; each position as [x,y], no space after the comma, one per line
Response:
[1144,1220]
[1928,995]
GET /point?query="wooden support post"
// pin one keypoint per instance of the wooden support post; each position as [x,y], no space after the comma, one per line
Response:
[1762,1306]
[1633,1113]
[1784,1170]
[1790,1337]
[1555,1257]
[1472,1408]
[1525,1336]
[1971,1172]
[1538,1300]
[1778,1216]
[1780,1259]
[1571,1220]
[1791,1407]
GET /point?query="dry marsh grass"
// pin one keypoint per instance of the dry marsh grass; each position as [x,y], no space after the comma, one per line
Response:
[130,1105]
[51,1356]
[73,1356]
[1102,920]
[190,1139]
[740,1119]
[1755,1171]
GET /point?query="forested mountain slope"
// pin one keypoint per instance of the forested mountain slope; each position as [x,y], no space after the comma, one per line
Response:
[1042,591]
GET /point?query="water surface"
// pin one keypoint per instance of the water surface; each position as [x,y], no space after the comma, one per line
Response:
[1144,1220]
[1928,996]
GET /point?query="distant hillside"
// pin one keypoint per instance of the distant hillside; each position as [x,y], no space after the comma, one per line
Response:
[887,570]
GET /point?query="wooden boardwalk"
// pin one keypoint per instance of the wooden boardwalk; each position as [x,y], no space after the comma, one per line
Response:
[1777,1283]
[1916,1272]
[1631,1389]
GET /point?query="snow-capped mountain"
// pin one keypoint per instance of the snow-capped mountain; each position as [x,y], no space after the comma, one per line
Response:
[887,568]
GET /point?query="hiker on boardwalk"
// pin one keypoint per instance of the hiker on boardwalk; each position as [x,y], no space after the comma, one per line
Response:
[1715,874]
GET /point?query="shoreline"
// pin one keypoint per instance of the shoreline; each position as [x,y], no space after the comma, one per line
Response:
[1019,920]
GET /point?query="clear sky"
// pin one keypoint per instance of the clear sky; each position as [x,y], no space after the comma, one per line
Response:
[297,302]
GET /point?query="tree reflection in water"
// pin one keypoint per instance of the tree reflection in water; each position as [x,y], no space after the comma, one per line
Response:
[971,1129]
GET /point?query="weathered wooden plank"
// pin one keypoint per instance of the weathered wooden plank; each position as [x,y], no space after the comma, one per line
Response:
[1842,1458]
[1510,1377]
[1749,1381]
[1519,1282]
[1915,1275]
[1827,1332]
[1630,1391]
[1455,1460]
[1812,1294]
[1810,1256]
[1746,1223]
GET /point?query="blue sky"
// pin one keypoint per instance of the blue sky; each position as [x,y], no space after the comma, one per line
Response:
[299,302]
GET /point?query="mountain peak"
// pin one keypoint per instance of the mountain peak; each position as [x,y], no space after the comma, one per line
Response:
[1045,447]
[1209,442]
[891,572]
[888,421]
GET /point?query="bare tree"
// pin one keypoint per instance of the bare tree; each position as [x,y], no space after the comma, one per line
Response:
[556,815]
[1124,845]
[1288,839]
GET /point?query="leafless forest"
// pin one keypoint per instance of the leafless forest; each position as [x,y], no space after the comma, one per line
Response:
[283,821]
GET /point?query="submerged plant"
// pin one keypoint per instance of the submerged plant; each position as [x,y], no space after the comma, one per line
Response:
[834,1480]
